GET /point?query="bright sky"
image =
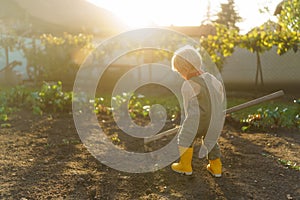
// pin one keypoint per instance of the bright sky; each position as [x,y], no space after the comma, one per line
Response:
[139,13]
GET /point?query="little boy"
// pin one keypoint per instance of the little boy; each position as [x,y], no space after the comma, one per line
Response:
[196,96]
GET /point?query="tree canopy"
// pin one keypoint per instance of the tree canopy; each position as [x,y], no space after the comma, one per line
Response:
[289,17]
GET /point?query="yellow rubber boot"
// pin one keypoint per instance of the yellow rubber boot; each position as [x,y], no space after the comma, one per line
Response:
[185,164]
[215,167]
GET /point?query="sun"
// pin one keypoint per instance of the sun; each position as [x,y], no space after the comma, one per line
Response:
[134,19]
[139,13]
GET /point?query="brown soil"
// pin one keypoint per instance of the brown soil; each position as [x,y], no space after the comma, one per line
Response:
[43,158]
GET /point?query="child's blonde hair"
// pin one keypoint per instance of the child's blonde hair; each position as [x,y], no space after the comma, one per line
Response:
[187,58]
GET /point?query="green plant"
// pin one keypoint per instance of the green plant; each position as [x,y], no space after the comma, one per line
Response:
[268,118]
[115,139]
[5,125]
[297,113]
[6,106]
[5,110]
[52,98]
[17,96]
[3,117]
[138,106]
[70,141]
[289,164]
[135,105]
[101,107]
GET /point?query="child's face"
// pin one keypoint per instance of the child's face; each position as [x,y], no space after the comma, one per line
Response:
[182,72]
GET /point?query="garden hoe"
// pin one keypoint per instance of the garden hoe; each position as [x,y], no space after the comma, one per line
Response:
[228,111]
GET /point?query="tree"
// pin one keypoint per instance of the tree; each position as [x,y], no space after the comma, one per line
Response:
[263,38]
[228,16]
[286,40]
[221,45]
[57,58]
[288,15]
[207,19]
[258,40]
[288,37]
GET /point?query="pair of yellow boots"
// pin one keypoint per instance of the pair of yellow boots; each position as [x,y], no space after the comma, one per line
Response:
[185,164]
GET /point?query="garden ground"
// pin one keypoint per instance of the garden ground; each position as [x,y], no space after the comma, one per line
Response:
[42,157]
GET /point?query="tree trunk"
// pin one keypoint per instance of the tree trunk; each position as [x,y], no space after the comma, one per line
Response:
[258,71]
[7,70]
